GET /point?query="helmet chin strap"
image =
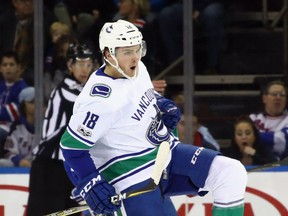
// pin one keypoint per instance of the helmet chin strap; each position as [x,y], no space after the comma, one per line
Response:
[120,70]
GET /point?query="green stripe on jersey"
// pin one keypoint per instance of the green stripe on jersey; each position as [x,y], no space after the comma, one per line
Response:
[69,141]
[124,166]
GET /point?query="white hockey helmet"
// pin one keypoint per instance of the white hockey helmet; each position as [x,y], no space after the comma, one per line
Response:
[120,34]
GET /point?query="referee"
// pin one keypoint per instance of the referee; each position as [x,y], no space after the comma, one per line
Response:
[49,186]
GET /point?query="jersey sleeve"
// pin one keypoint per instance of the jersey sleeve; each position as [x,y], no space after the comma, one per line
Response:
[9,112]
[85,128]
[276,141]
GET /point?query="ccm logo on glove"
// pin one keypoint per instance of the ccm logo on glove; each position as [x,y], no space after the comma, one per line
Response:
[89,185]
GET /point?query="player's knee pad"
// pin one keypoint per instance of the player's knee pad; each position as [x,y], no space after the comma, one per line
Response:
[227,180]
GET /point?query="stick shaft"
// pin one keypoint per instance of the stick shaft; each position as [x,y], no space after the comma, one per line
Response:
[159,166]
[70,211]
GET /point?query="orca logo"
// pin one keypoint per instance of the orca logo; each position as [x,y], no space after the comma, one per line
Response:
[109,29]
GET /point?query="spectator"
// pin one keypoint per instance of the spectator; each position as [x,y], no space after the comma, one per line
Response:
[57,30]
[58,67]
[19,144]
[85,13]
[10,87]
[86,18]
[134,11]
[159,86]
[209,22]
[272,123]
[246,146]
[16,27]
[202,136]
[50,187]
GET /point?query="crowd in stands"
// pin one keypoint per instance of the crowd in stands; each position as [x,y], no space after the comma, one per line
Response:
[67,22]
[257,139]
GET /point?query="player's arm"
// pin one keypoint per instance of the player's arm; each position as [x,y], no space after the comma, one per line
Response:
[76,143]
[276,141]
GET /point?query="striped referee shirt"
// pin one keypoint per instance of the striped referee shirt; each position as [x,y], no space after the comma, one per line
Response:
[57,116]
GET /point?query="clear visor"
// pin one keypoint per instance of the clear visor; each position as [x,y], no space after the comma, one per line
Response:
[128,52]
[144,48]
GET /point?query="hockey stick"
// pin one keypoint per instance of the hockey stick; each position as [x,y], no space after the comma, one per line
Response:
[270,165]
[159,166]
[161,158]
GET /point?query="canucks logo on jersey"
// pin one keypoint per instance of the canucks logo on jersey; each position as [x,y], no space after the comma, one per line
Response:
[101,90]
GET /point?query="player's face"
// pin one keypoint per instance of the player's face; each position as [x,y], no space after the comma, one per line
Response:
[10,69]
[128,58]
[244,135]
[275,100]
[81,70]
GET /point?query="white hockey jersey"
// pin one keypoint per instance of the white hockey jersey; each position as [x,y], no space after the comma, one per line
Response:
[120,124]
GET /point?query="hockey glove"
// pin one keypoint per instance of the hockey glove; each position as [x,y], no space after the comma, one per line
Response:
[75,195]
[171,114]
[97,193]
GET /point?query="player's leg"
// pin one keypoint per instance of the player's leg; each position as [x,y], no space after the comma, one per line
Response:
[227,181]
[197,170]
[147,204]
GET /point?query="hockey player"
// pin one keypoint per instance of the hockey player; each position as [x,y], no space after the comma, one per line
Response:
[49,186]
[117,125]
